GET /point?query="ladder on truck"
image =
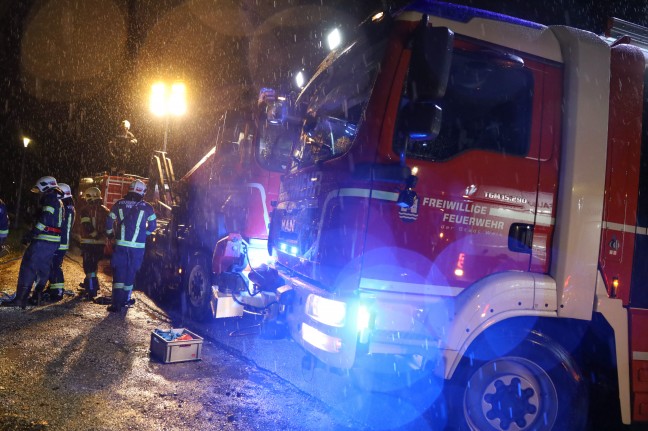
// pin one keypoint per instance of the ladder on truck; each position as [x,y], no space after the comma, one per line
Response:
[620,31]
[161,180]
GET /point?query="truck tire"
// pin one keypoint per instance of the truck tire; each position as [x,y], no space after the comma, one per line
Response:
[197,288]
[536,386]
[149,279]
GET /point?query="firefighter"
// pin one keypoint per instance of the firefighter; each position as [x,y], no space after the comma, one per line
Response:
[4,223]
[56,278]
[93,238]
[121,148]
[129,222]
[44,240]
[125,134]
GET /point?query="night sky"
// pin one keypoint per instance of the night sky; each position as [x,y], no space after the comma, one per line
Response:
[71,70]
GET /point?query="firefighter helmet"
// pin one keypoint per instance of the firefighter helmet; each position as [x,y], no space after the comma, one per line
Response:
[92,194]
[67,192]
[125,124]
[138,187]
[45,184]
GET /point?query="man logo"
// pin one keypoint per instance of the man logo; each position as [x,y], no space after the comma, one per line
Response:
[470,190]
[288,224]
[409,215]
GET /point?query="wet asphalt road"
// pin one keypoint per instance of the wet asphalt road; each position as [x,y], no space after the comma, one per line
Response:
[74,366]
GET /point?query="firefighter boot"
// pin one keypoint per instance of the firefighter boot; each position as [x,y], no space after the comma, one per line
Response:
[55,295]
[95,284]
[121,299]
[92,287]
[20,300]
[22,293]
[83,287]
[117,300]
[128,300]
[37,296]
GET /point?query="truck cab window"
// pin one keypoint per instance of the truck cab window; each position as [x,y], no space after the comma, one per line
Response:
[336,99]
[275,144]
[487,106]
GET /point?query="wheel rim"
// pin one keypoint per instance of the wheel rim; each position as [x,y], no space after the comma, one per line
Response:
[510,394]
[196,286]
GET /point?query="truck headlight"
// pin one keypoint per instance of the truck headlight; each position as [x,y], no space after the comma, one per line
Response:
[326,311]
[362,318]
[363,323]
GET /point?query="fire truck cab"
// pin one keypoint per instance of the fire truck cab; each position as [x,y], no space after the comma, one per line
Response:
[467,191]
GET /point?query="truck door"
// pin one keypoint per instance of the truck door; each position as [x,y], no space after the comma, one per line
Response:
[486,184]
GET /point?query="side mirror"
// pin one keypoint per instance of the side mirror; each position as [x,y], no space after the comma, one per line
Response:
[422,121]
[430,63]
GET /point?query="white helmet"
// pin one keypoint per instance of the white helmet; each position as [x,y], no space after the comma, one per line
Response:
[126,124]
[67,192]
[44,184]
[138,187]
[92,194]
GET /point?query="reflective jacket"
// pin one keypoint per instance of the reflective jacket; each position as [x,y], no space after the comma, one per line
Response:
[93,223]
[68,222]
[131,219]
[50,219]
[4,221]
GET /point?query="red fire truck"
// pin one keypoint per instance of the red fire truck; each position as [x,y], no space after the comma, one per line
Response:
[112,187]
[226,195]
[469,193]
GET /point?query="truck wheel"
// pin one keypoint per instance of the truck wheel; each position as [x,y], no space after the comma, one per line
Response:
[198,288]
[149,279]
[536,386]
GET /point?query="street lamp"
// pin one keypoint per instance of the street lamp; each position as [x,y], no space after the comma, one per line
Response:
[168,101]
[300,79]
[334,39]
[26,142]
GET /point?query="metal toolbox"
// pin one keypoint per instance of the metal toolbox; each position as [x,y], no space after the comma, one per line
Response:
[176,350]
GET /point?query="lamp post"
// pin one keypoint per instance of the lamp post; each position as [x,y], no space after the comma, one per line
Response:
[26,142]
[167,101]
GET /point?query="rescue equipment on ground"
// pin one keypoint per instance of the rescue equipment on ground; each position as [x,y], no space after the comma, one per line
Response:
[176,345]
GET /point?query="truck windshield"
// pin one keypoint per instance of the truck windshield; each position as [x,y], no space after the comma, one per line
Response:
[335,101]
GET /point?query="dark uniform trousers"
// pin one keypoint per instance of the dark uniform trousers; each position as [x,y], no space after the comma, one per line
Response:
[125,262]
[92,254]
[36,262]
